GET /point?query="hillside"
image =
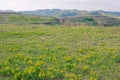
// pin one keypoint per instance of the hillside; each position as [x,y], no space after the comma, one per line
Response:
[17,18]
[60,17]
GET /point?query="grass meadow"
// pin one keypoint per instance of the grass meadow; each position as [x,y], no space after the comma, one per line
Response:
[39,52]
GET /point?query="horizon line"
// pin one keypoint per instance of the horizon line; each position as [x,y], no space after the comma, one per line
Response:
[54,9]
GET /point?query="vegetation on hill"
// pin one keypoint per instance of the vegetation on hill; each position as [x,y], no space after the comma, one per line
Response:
[9,18]
[15,18]
[93,20]
[37,52]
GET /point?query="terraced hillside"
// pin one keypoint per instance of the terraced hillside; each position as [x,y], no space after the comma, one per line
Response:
[92,20]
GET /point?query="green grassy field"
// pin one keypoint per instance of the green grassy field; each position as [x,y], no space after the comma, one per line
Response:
[39,52]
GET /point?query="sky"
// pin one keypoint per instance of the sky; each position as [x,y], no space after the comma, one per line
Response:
[22,5]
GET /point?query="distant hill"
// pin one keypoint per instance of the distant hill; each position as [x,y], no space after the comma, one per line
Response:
[53,12]
[65,13]
[62,17]
[68,13]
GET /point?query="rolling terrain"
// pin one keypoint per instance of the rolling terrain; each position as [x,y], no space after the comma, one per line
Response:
[91,20]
